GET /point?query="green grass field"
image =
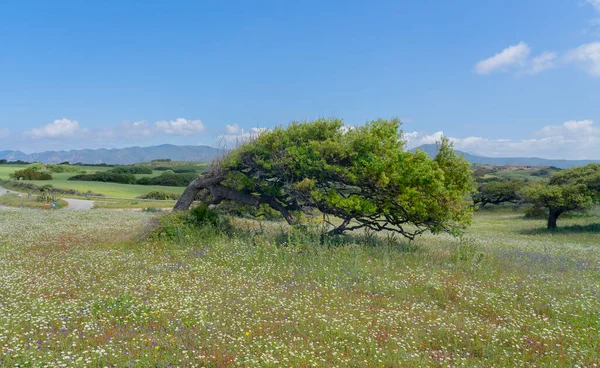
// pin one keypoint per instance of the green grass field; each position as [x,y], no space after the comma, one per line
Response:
[92,289]
[107,189]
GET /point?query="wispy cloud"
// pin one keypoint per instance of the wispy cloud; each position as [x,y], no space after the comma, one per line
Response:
[4,133]
[517,59]
[587,57]
[510,57]
[541,63]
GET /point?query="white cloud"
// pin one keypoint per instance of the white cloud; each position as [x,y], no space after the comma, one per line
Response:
[542,62]
[233,140]
[416,139]
[586,56]
[570,129]
[516,58]
[232,129]
[57,129]
[508,58]
[181,127]
[570,140]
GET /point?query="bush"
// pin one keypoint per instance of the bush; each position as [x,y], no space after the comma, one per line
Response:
[36,166]
[46,196]
[62,168]
[169,179]
[30,173]
[160,196]
[184,170]
[203,215]
[132,170]
[107,176]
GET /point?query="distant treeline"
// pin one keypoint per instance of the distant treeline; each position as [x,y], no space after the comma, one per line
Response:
[18,162]
[120,176]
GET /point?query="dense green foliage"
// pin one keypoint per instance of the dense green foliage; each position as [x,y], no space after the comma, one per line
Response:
[160,195]
[62,168]
[498,192]
[132,170]
[168,178]
[18,162]
[362,176]
[31,173]
[106,176]
[573,189]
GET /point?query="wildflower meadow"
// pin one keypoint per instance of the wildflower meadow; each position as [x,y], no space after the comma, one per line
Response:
[108,288]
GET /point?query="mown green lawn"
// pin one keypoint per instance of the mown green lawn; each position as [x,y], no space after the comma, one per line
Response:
[91,288]
[60,180]
[108,189]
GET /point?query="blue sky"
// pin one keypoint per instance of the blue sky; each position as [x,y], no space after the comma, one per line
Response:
[500,77]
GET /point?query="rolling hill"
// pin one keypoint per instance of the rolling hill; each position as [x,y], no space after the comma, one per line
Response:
[121,156]
[132,155]
[431,150]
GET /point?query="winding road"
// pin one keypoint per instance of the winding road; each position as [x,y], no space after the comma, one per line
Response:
[78,204]
[74,204]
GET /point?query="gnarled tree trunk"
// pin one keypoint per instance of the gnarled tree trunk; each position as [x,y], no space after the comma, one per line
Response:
[216,193]
[552,217]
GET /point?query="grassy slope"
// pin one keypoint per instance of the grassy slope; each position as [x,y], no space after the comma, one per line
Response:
[512,294]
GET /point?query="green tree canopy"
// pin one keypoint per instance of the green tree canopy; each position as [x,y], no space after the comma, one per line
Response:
[362,176]
[573,189]
[30,173]
[498,192]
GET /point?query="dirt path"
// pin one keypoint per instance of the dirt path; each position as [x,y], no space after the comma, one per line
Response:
[74,204]
[78,204]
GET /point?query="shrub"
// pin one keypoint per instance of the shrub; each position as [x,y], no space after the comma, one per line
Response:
[30,173]
[159,195]
[183,170]
[203,215]
[107,176]
[132,170]
[46,196]
[62,168]
[169,179]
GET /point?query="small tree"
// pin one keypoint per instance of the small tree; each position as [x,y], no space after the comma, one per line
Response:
[30,173]
[498,192]
[361,176]
[574,189]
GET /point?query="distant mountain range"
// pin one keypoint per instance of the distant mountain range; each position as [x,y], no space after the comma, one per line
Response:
[120,156]
[431,150]
[132,155]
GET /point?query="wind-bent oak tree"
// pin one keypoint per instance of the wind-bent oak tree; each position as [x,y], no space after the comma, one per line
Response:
[498,192]
[361,176]
[573,189]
